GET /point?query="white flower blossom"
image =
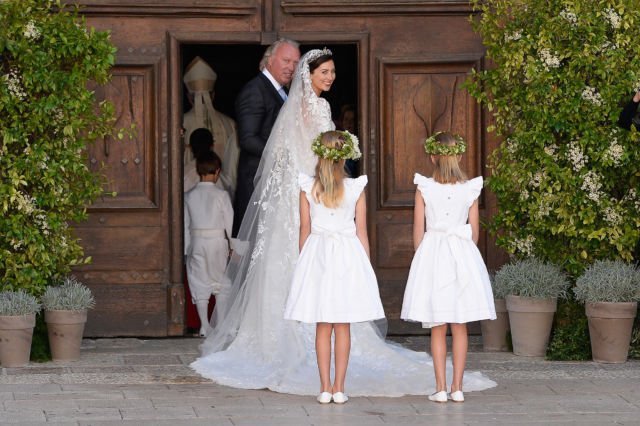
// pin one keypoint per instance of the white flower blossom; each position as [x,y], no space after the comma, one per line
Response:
[544,210]
[524,195]
[25,203]
[16,244]
[31,32]
[14,83]
[615,152]
[591,94]
[537,179]
[576,156]
[512,146]
[569,16]
[524,245]
[607,45]
[591,185]
[613,17]
[632,196]
[548,59]
[612,216]
[550,150]
[514,36]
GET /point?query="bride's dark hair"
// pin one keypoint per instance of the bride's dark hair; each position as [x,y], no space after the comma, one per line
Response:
[319,61]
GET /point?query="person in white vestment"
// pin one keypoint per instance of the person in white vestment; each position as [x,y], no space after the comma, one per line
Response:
[208,218]
[253,346]
[448,280]
[200,79]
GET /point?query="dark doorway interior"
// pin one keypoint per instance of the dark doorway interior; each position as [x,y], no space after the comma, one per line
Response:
[237,64]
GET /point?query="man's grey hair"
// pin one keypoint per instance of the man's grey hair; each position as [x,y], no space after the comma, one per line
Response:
[271,50]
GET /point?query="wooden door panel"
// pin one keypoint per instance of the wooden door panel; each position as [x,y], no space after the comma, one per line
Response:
[126,234]
[129,165]
[417,97]
[395,244]
[131,248]
[417,100]
[127,310]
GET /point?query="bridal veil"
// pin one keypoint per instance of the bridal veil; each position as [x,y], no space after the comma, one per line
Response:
[252,346]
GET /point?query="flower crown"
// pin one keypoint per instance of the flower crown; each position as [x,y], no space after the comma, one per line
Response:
[433,147]
[348,150]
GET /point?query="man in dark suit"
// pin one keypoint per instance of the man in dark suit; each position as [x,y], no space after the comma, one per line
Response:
[257,107]
[628,116]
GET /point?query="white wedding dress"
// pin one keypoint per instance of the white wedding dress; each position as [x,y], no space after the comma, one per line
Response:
[253,346]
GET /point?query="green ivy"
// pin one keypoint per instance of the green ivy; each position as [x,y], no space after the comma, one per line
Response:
[48,117]
[565,176]
[570,336]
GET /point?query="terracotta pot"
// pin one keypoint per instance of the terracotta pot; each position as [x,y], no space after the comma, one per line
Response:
[65,333]
[610,327]
[530,320]
[16,333]
[494,332]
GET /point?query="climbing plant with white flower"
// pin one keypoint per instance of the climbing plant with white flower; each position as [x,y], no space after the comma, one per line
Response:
[564,175]
[48,117]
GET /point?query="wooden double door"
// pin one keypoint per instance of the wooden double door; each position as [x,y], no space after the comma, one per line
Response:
[403,72]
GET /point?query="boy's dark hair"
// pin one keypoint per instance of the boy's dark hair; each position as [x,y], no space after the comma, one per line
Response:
[201,141]
[208,163]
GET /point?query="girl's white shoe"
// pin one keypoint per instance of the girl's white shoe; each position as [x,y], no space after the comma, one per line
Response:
[457,396]
[438,396]
[324,397]
[340,398]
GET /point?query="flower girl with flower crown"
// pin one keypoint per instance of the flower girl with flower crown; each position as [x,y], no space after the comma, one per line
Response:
[333,283]
[448,280]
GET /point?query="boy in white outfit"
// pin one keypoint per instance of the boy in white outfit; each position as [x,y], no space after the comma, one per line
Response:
[208,218]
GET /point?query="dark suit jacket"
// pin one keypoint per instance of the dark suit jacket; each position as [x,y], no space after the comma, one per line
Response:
[627,115]
[257,107]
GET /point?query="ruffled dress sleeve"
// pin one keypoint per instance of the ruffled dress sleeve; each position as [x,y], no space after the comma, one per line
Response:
[306,182]
[475,187]
[422,182]
[359,183]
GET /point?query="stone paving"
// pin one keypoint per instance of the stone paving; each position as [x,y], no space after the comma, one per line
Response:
[148,382]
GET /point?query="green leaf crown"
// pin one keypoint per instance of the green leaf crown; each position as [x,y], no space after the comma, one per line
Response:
[433,147]
[348,151]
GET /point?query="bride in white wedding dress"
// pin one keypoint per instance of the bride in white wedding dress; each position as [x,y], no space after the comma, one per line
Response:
[253,346]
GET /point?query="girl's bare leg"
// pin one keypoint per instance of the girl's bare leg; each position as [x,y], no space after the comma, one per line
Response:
[459,349]
[342,349]
[323,353]
[439,354]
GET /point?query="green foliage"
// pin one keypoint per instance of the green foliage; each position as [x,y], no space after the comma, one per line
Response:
[71,295]
[565,176]
[609,281]
[570,335]
[532,277]
[634,349]
[40,349]
[18,303]
[48,117]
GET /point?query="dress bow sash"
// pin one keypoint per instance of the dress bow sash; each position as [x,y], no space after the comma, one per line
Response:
[454,237]
[332,242]
[333,233]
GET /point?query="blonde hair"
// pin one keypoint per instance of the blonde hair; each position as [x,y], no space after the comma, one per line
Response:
[447,167]
[328,186]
